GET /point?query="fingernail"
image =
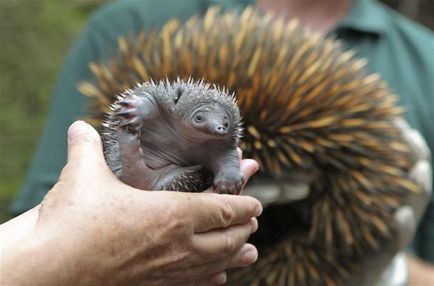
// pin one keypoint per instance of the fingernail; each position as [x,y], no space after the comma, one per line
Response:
[258,209]
[253,163]
[219,279]
[249,256]
[77,128]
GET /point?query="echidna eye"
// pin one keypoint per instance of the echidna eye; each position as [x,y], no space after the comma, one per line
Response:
[198,118]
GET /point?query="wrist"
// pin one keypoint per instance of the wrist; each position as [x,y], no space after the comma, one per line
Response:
[33,260]
[18,227]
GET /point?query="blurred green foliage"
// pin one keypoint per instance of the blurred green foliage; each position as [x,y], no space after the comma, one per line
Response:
[34,38]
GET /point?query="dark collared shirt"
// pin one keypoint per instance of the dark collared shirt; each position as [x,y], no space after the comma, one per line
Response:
[398,49]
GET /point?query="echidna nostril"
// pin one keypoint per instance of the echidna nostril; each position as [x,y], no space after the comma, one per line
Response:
[221,129]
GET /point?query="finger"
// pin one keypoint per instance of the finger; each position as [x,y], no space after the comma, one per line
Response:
[213,211]
[222,243]
[406,225]
[420,174]
[414,139]
[219,278]
[248,168]
[294,191]
[247,255]
[84,143]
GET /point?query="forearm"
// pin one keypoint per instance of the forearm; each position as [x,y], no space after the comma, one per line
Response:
[18,257]
[17,228]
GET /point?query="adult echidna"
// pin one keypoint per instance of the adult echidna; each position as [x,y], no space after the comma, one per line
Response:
[308,108]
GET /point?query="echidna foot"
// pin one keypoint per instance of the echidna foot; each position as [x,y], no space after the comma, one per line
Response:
[130,113]
[229,183]
[129,146]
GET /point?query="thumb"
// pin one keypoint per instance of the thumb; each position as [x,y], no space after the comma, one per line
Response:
[84,144]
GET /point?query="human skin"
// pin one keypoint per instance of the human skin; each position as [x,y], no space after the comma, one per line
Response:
[421,273]
[318,15]
[322,16]
[91,229]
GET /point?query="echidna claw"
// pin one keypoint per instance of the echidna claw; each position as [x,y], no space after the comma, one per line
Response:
[132,110]
[126,103]
[128,113]
[129,119]
[231,184]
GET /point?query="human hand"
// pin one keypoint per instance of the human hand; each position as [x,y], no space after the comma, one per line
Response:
[280,191]
[379,267]
[93,229]
[388,267]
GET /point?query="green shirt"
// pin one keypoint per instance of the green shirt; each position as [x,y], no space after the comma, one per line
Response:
[398,49]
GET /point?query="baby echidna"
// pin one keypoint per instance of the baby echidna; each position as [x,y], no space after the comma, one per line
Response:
[308,108]
[178,136]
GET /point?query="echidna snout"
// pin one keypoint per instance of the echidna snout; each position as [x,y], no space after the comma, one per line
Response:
[212,120]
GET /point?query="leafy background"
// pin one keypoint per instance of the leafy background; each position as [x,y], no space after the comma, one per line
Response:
[34,37]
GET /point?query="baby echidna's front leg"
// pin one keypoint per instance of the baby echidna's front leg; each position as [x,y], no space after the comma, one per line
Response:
[134,170]
[132,111]
[227,175]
